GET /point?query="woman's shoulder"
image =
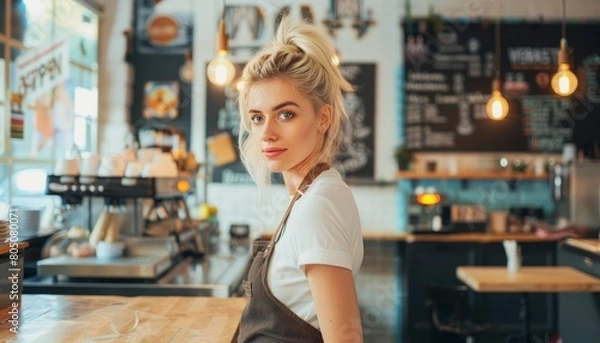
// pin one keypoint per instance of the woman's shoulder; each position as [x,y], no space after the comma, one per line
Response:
[328,191]
[329,180]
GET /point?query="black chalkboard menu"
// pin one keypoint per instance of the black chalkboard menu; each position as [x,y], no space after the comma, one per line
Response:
[449,70]
[356,157]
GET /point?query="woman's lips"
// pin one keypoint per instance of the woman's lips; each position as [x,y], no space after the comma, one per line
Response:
[273,152]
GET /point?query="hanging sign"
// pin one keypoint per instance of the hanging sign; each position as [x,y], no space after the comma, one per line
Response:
[41,69]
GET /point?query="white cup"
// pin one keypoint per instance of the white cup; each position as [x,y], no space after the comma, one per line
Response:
[148,170]
[66,166]
[106,250]
[88,165]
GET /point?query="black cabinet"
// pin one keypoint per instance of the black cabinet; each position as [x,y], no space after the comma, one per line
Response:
[429,263]
[579,316]
[436,263]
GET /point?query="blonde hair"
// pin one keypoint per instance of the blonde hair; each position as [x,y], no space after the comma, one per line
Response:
[303,55]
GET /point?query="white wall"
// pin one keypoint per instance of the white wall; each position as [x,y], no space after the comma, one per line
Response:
[114,76]
[381,45]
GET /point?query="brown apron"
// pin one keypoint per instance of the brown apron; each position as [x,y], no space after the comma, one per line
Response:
[265,318]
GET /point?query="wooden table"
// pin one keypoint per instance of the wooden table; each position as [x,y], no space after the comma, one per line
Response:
[58,318]
[527,280]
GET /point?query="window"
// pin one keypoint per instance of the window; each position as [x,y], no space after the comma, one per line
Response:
[39,124]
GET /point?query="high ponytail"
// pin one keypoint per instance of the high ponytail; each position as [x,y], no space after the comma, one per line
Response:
[303,55]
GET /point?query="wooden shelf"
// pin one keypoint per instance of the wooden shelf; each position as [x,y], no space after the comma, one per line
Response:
[469,175]
[5,247]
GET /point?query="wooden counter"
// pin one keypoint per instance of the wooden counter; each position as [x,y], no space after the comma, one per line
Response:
[589,245]
[367,235]
[58,318]
[477,238]
[482,237]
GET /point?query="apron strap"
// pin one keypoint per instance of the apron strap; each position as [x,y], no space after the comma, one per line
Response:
[306,182]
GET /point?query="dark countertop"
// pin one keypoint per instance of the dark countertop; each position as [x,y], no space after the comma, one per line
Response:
[215,275]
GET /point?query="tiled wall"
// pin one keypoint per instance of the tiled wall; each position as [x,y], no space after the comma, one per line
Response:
[381,207]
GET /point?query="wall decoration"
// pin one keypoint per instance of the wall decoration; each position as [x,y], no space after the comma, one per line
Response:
[306,15]
[166,103]
[245,28]
[356,157]
[353,9]
[164,26]
[161,99]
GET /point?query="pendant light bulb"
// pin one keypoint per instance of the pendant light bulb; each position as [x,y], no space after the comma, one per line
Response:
[497,106]
[220,70]
[564,82]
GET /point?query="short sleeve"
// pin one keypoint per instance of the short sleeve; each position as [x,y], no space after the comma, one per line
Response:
[323,235]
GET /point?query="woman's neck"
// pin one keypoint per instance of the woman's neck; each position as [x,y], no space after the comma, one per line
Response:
[293,177]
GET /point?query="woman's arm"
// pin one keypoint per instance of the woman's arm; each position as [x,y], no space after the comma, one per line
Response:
[336,302]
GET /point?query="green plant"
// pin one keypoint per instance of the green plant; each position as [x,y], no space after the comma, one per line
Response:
[403,156]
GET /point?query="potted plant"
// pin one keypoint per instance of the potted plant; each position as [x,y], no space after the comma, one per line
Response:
[403,156]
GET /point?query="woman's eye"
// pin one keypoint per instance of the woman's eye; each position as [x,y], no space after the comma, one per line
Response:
[286,115]
[256,119]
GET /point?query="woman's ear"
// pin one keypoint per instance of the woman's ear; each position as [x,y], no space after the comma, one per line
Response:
[325,116]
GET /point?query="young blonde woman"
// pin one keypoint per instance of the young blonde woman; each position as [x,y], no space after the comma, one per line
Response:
[301,286]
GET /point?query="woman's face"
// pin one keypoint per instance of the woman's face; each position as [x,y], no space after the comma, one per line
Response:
[285,126]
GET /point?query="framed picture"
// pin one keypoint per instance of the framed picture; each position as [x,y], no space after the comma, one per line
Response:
[164,27]
[161,99]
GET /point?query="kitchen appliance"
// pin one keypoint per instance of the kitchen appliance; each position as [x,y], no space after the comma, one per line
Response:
[576,194]
[428,212]
[166,251]
[157,236]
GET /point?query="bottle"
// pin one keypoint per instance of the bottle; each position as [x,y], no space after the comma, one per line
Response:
[436,223]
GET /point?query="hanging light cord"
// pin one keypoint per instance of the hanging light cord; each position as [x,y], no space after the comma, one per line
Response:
[498,50]
[223,10]
[564,18]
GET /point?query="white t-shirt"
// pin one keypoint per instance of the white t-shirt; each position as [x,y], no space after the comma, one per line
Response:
[323,228]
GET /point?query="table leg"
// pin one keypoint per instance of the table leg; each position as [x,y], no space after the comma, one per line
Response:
[525,317]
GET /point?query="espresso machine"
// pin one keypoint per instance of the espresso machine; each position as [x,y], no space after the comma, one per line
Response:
[153,220]
[428,212]
[575,189]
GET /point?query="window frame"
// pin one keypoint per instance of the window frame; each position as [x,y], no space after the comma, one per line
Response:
[7,158]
